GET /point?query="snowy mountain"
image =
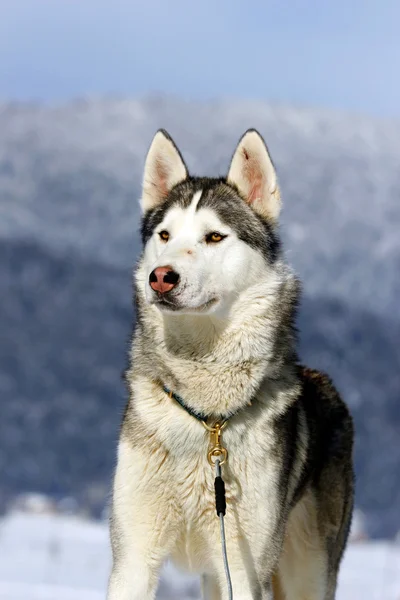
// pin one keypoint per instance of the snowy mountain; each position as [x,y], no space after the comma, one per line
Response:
[69,183]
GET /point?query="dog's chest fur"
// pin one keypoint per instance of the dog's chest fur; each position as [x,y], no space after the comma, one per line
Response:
[176,452]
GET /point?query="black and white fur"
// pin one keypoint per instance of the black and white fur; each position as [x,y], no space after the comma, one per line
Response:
[223,338]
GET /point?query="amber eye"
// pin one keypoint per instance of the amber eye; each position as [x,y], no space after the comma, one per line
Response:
[214,237]
[164,235]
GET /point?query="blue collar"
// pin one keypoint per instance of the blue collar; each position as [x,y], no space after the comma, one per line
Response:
[193,413]
[202,417]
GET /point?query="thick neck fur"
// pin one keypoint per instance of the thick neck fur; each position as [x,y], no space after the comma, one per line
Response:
[218,363]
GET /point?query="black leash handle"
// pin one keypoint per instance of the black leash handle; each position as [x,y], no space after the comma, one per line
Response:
[220,505]
[219,486]
[220,500]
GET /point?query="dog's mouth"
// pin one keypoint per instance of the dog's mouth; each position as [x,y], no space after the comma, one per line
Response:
[174,306]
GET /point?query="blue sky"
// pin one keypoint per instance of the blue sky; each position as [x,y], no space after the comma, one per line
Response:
[335,53]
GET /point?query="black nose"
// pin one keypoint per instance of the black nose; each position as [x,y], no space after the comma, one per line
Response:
[163,279]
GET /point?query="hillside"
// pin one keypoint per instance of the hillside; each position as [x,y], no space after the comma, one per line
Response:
[69,183]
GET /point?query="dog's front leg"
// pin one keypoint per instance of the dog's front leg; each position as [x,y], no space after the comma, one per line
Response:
[210,588]
[132,580]
[142,525]
[248,581]
[253,550]
[245,587]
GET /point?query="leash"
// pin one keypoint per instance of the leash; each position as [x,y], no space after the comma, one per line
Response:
[220,454]
[216,456]
[220,505]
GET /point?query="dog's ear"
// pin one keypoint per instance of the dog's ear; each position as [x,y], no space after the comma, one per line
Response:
[164,168]
[253,173]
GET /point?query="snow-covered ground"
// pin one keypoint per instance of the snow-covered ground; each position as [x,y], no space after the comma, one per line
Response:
[50,557]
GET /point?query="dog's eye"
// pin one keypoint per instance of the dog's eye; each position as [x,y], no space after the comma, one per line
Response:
[214,237]
[164,235]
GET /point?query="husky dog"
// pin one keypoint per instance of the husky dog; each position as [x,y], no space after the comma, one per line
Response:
[215,339]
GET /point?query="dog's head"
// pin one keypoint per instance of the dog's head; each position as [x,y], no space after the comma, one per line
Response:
[205,239]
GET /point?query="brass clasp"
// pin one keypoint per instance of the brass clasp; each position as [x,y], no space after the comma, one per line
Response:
[216,448]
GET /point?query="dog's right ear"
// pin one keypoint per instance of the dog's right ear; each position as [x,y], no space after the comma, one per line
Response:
[164,168]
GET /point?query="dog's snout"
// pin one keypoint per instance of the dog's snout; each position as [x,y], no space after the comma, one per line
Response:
[163,279]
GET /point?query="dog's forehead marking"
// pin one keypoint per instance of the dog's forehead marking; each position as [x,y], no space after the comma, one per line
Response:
[189,213]
[185,217]
[195,201]
[196,217]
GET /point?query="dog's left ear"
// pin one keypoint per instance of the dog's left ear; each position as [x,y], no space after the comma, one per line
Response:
[164,168]
[253,173]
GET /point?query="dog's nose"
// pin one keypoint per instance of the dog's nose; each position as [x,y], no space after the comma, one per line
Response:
[163,279]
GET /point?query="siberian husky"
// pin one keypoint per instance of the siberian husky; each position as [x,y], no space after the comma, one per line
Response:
[215,340]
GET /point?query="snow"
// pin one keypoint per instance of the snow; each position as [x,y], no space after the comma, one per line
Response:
[48,557]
